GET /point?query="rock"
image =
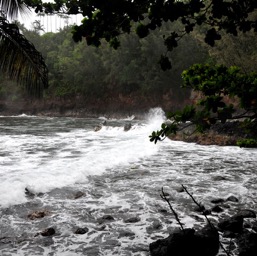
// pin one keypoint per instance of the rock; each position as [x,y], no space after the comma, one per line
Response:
[127,127]
[81,231]
[105,218]
[48,232]
[188,242]
[132,219]
[38,214]
[98,128]
[232,199]
[233,224]
[180,189]
[217,201]
[207,212]
[229,234]
[254,226]
[247,244]
[246,213]
[217,209]
[126,233]
[219,178]
[156,225]
[28,193]
[199,208]
[79,194]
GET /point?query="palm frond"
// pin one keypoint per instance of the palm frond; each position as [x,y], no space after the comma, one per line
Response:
[20,60]
[11,8]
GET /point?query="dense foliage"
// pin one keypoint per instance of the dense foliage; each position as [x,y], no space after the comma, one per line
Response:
[109,19]
[215,83]
[94,73]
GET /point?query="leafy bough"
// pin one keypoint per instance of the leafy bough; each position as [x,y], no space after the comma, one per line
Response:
[217,85]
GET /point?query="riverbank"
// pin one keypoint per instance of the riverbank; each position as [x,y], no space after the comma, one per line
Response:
[227,134]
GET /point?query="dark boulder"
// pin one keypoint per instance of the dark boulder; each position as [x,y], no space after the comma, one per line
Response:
[187,242]
[247,244]
[48,232]
[81,231]
[233,224]
[232,199]
[127,127]
[217,209]
[217,201]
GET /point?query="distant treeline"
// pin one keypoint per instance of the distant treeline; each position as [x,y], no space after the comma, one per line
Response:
[76,69]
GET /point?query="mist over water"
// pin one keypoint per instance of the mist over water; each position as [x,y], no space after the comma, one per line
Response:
[121,173]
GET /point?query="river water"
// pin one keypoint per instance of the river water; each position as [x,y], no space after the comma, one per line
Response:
[109,183]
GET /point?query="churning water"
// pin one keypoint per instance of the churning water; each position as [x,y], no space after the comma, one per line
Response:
[108,182]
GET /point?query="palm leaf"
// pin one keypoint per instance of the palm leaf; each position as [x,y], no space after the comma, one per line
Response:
[11,8]
[20,60]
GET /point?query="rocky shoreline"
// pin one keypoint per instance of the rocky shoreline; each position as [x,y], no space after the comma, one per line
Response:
[220,134]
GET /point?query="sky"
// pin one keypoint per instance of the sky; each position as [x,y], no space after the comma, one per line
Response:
[51,23]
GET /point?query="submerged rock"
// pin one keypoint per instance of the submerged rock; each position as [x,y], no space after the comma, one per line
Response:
[79,194]
[38,214]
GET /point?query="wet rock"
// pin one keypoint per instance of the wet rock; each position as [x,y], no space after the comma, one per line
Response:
[254,226]
[126,233]
[81,231]
[38,214]
[217,201]
[156,225]
[79,194]
[247,244]
[233,224]
[180,189]
[232,199]
[31,195]
[105,218]
[132,219]
[127,127]
[217,209]
[219,178]
[199,208]
[162,210]
[28,193]
[229,234]
[98,128]
[188,242]
[48,232]
[207,212]
[246,213]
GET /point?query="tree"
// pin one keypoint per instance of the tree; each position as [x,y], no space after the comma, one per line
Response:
[109,19]
[19,59]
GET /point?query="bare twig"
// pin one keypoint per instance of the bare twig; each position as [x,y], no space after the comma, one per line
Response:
[164,197]
[205,215]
